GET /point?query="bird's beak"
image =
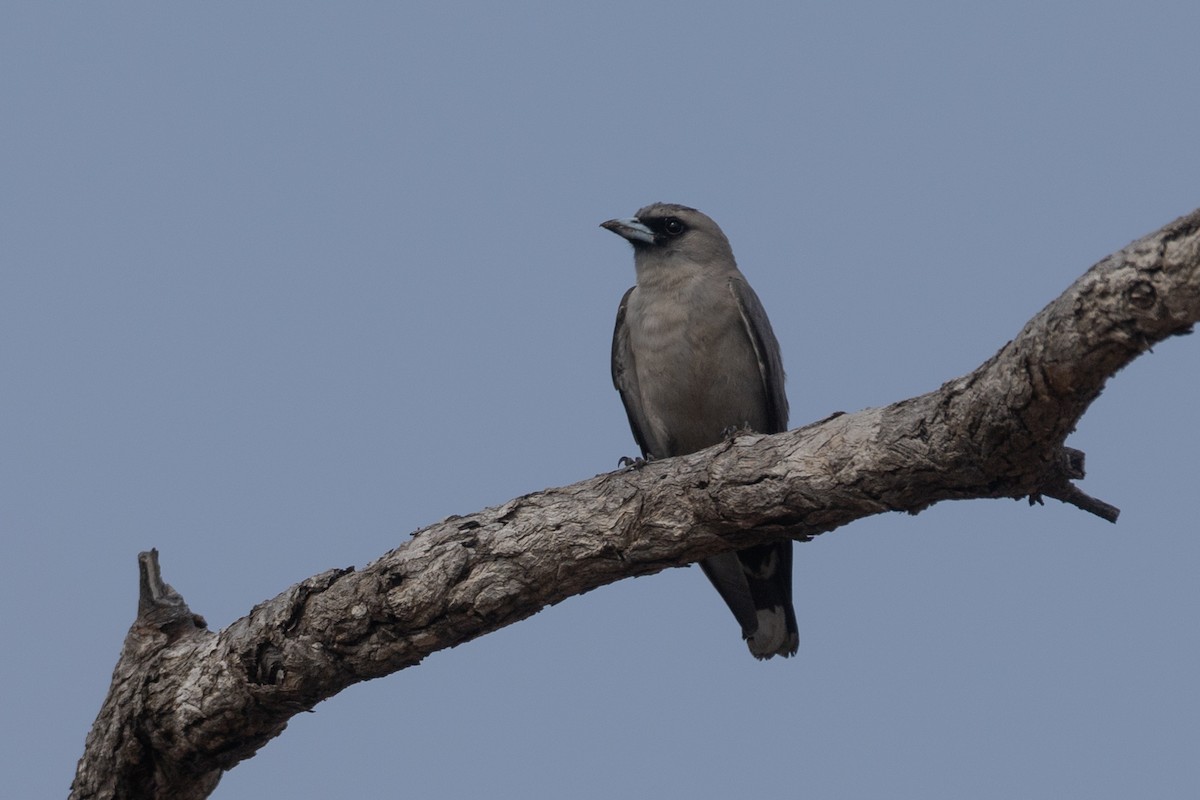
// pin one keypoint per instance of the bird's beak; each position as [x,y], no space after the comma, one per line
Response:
[631,229]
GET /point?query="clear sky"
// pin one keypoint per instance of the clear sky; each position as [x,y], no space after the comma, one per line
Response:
[283,282]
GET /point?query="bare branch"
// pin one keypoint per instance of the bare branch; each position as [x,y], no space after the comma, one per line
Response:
[1071,468]
[187,703]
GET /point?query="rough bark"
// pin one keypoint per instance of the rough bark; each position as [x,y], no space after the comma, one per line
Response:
[187,703]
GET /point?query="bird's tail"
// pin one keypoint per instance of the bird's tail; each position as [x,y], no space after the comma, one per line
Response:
[756,584]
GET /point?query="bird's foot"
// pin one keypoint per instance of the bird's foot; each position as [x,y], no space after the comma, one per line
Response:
[632,463]
[736,430]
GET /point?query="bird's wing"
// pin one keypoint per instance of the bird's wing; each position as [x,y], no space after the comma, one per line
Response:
[765,570]
[728,577]
[625,377]
[766,348]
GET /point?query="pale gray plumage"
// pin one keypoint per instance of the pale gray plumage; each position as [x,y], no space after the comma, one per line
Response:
[694,357]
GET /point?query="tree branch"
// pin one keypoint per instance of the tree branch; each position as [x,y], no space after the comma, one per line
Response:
[186,703]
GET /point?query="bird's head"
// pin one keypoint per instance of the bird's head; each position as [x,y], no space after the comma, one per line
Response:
[667,233]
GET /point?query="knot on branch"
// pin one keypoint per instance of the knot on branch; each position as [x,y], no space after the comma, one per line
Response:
[1067,467]
[1141,295]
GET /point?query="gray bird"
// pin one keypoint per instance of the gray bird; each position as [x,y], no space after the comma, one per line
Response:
[694,357]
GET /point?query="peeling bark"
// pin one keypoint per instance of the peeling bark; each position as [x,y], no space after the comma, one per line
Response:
[187,703]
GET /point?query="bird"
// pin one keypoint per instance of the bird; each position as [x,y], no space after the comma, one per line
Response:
[694,359]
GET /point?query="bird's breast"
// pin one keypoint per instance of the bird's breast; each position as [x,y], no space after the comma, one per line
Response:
[697,371]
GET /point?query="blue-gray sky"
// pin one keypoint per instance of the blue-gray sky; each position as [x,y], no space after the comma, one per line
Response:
[285,282]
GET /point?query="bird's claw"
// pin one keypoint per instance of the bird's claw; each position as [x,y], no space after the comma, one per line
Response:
[735,430]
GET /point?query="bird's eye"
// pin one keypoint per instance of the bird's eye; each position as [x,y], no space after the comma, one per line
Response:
[672,226]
